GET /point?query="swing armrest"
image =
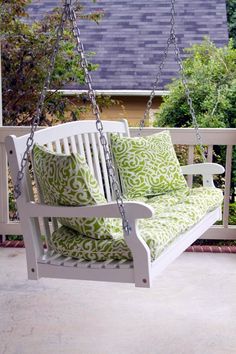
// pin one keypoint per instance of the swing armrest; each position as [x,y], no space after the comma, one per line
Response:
[206,170]
[134,210]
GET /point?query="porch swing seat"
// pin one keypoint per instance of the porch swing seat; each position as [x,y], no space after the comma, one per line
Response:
[162,227]
[174,213]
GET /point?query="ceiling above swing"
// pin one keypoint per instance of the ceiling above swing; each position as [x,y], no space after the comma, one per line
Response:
[131,37]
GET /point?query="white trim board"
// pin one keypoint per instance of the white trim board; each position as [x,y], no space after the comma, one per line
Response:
[115,92]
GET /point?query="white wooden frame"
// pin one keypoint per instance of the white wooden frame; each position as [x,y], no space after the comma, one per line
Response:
[82,136]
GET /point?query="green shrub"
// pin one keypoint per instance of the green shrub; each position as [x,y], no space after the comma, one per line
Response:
[211,74]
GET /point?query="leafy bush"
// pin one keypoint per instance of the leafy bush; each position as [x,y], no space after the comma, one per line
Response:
[211,74]
[232,214]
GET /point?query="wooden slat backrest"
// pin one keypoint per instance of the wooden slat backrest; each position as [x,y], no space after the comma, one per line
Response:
[81,137]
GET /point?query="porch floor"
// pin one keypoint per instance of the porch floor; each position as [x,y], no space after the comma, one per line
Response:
[191,309]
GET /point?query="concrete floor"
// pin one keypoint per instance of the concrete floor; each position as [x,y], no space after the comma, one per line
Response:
[191,309]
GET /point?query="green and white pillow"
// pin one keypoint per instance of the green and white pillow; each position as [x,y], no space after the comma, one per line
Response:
[147,166]
[67,180]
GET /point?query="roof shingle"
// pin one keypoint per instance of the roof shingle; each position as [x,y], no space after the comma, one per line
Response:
[130,39]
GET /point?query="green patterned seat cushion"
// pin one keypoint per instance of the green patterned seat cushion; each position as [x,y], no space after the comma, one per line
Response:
[175,213]
[67,180]
[147,166]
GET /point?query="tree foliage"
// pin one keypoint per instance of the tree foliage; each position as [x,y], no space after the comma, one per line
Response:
[26,50]
[211,74]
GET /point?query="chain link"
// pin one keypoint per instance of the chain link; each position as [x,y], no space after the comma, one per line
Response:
[36,118]
[92,96]
[173,40]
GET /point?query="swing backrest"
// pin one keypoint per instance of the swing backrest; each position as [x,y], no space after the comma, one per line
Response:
[77,137]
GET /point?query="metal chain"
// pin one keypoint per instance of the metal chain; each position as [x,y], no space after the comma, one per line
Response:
[152,94]
[173,40]
[99,125]
[190,103]
[36,118]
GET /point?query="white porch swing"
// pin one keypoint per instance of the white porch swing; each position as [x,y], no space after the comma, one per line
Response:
[91,140]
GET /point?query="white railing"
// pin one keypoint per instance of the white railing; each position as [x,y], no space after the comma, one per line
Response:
[184,136]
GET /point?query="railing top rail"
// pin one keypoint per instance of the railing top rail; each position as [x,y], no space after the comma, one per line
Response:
[211,136]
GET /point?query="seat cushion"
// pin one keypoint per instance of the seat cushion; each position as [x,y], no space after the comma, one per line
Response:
[66,180]
[147,166]
[175,213]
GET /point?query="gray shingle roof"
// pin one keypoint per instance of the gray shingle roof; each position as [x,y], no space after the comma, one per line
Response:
[130,39]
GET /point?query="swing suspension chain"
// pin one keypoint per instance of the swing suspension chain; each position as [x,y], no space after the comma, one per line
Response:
[99,125]
[173,40]
[39,109]
[152,94]
[190,102]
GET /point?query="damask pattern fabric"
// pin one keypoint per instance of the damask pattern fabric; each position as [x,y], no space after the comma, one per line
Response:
[67,180]
[175,213]
[147,166]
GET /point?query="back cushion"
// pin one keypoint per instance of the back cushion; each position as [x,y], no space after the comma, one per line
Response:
[147,166]
[67,180]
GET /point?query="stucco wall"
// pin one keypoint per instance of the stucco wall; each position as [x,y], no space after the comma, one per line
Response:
[131,108]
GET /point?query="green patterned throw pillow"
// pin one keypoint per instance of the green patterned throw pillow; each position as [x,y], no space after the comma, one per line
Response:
[67,180]
[147,166]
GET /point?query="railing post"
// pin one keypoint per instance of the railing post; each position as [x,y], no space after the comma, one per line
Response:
[190,161]
[228,168]
[1,120]
[4,203]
